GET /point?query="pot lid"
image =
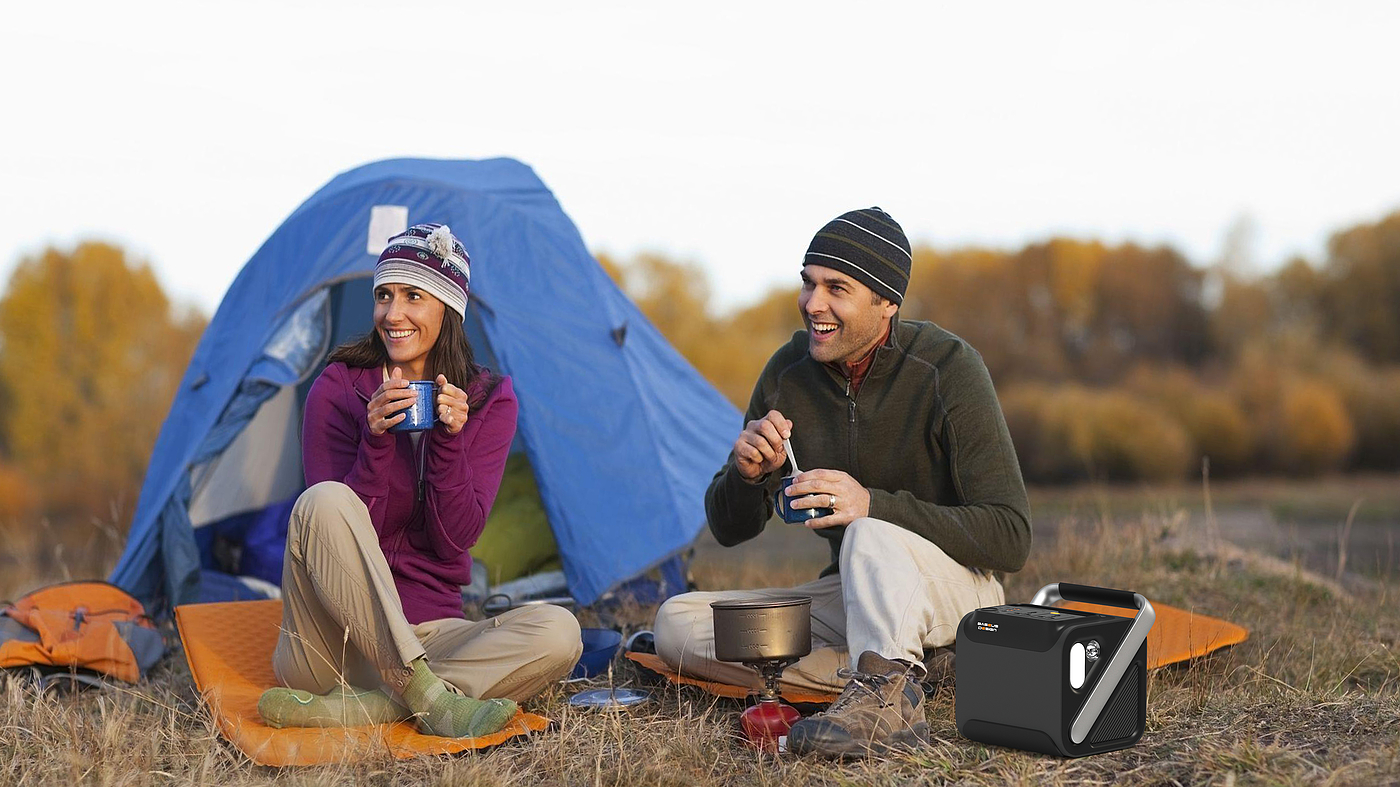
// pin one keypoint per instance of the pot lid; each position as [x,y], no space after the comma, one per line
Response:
[762,603]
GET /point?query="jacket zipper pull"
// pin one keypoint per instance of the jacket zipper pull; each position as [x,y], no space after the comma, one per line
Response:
[422,460]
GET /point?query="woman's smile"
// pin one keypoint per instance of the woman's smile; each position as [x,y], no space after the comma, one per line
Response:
[408,321]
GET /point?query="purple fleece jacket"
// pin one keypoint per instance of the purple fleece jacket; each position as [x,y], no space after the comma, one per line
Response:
[424,533]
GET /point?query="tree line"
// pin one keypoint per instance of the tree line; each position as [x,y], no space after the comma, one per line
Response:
[91,351]
[1124,362]
[1117,362]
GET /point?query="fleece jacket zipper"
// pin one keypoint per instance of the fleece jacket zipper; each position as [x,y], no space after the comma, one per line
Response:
[851,431]
[420,460]
[851,410]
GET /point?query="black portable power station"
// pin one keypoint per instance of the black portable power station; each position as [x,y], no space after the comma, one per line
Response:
[1057,681]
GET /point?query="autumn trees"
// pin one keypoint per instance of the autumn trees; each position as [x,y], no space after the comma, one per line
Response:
[1125,362]
[1113,361]
[91,350]
[1065,309]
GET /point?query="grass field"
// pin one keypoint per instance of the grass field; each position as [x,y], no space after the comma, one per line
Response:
[1313,697]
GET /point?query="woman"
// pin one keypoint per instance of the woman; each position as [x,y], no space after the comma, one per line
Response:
[377,546]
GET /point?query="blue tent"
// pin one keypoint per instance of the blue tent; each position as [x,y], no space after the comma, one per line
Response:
[623,434]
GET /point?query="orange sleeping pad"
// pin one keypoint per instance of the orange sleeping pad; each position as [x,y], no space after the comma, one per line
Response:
[1177,635]
[229,647]
[654,663]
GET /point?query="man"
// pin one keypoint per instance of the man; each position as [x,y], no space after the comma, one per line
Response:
[903,438]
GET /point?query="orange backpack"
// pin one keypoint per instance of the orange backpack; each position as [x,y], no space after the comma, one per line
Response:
[79,628]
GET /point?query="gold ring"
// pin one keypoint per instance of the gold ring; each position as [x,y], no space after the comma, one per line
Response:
[833,502]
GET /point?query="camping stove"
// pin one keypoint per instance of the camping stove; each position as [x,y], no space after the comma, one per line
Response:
[767,721]
[1057,681]
[767,635]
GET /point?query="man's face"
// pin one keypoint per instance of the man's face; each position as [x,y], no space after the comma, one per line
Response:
[844,318]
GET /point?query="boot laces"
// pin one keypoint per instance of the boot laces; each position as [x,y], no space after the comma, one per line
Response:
[864,683]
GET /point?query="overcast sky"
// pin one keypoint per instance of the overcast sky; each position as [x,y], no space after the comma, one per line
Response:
[721,133]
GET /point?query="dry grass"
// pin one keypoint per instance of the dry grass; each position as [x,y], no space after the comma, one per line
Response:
[1311,698]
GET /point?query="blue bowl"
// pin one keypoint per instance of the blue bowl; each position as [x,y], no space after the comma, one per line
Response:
[599,647]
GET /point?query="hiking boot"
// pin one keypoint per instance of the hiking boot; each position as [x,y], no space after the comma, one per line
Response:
[940,664]
[882,708]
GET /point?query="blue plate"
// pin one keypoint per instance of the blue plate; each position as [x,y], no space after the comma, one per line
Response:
[609,699]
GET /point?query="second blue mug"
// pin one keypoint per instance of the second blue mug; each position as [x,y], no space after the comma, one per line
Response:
[795,515]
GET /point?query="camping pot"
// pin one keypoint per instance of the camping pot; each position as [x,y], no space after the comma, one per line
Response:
[768,629]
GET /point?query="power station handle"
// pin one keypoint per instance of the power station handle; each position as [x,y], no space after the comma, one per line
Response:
[1092,595]
[1123,655]
[1066,591]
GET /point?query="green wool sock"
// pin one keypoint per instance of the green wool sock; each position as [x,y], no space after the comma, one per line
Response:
[440,711]
[341,707]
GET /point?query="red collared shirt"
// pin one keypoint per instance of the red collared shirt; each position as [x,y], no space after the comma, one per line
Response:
[855,372]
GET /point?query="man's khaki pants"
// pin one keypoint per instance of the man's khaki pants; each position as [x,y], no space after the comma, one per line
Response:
[343,622]
[897,594]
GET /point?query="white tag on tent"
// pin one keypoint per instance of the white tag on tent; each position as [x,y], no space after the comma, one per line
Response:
[385,221]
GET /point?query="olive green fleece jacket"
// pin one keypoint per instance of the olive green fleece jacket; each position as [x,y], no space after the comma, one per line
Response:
[924,434]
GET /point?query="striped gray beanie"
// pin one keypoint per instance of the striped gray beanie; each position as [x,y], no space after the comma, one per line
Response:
[867,245]
[429,257]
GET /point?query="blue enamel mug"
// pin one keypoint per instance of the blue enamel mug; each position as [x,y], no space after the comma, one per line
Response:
[787,513]
[422,414]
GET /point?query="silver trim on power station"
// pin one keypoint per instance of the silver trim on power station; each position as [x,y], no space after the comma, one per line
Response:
[1116,667]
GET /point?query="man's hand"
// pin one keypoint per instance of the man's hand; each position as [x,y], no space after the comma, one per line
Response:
[759,449]
[832,489]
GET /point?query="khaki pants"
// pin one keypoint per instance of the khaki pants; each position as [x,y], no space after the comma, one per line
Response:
[897,594]
[343,622]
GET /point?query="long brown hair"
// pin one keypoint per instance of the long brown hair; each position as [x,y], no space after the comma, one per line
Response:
[451,357]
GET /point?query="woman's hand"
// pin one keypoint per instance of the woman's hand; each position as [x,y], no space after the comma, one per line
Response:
[387,406]
[452,406]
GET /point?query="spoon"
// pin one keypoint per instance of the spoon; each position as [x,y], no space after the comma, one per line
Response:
[787,446]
